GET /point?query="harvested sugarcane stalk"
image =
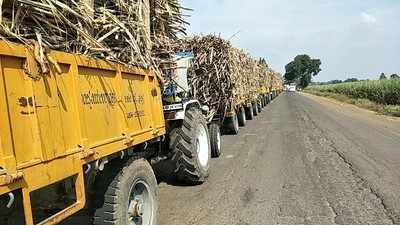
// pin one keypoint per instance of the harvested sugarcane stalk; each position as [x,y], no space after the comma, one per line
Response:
[221,75]
[123,31]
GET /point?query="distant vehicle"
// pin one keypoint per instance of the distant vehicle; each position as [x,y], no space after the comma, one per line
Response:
[292,88]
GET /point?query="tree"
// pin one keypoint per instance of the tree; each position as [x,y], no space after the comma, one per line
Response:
[383,76]
[301,70]
[394,76]
[334,82]
[351,80]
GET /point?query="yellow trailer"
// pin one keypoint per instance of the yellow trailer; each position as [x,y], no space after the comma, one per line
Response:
[56,128]
[73,129]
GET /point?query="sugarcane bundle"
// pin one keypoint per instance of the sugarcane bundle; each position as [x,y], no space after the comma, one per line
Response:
[116,30]
[209,76]
[167,25]
[252,78]
[167,19]
[221,76]
[269,78]
[263,73]
[241,70]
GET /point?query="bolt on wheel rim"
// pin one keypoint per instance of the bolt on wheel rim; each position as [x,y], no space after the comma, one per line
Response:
[141,205]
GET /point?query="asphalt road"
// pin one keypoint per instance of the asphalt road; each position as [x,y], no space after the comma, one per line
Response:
[304,160]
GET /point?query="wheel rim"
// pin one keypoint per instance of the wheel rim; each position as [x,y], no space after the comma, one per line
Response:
[141,206]
[218,140]
[202,146]
[236,123]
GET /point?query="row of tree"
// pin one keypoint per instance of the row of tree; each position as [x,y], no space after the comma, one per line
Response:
[381,77]
[303,68]
[384,77]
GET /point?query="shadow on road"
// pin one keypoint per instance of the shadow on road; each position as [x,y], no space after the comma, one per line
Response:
[164,171]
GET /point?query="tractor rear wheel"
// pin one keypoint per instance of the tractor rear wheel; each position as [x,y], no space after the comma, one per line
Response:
[242,117]
[190,147]
[231,125]
[255,108]
[249,112]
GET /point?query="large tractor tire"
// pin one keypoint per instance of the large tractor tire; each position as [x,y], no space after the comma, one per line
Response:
[231,125]
[241,114]
[190,146]
[255,108]
[126,194]
[249,113]
[262,103]
[215,140]
[267,99]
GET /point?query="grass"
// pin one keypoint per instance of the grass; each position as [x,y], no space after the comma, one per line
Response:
[385,92]
[390,110]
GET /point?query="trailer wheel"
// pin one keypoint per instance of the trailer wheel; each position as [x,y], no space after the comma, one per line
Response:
[126,194]
[190,146]
[215,140]
[249,113]
[264,102]
[231,125]
[255,108]
[241,117]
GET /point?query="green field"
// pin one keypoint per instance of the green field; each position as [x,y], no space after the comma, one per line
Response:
[385,92]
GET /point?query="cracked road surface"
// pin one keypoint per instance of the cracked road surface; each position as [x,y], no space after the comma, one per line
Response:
[304,160]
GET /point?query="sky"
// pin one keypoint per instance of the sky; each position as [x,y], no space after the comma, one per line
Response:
[353,38]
